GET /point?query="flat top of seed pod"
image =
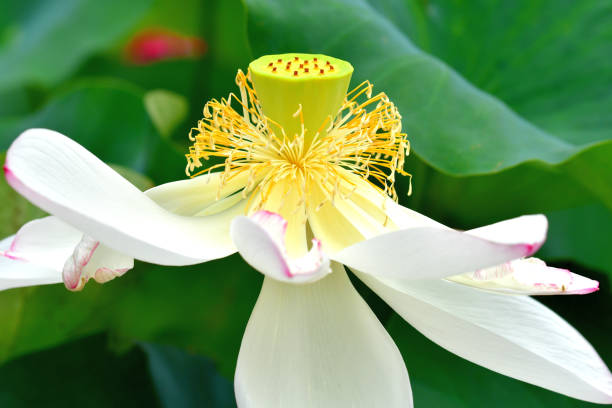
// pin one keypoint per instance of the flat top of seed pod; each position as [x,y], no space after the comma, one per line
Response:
[300,66]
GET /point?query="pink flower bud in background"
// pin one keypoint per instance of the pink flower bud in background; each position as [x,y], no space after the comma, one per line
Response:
[154,45]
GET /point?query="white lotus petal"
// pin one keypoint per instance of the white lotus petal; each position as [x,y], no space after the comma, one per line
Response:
[16,273]
[63,178]
[335,230]
[406,218]
[513,335]
[260,239]
[528,229]
[46,242]
[38,252]
[191,196]
[528,276]
[318,345]
[91,259]
[432,252]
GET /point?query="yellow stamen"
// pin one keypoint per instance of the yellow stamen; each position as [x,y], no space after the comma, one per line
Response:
[367,143]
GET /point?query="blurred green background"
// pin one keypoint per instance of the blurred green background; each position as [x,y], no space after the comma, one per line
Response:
[508,107]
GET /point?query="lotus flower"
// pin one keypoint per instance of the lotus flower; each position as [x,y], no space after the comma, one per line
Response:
[303,188]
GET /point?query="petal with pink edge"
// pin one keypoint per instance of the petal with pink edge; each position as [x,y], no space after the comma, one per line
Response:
[438,252]
[44,247]
[318,345]
[529,276]
[46,242]
[15,273]
[513,335]
[260,240]
[90,259]
[63,178]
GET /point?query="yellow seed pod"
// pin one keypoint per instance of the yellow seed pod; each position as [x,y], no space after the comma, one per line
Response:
[295,89]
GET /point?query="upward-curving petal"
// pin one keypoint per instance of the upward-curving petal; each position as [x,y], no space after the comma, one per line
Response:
[318,345]
[438,252]
[63,178]
[90,259]
[513,335]
[260,239]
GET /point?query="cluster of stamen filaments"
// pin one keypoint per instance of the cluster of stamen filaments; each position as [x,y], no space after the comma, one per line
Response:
[366,143]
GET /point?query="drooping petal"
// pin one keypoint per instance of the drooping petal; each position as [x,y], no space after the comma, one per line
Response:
[435,252]
[90,259]
[43,247]
[16,273]
[513,335]
[63,178]
[260,239]
[528,276]
[318,345]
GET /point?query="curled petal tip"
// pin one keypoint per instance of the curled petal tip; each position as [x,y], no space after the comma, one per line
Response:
[73,276]
[260,239]
[90,260]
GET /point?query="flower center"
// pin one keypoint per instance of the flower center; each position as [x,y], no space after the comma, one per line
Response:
[296,127]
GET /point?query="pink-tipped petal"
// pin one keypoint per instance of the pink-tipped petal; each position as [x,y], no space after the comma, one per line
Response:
[437,252]
[529,276]
[16,273]
[46,242]
[260,240]
[318,345]
[63,178]
[45,247]
[529,230]
[90,259]
[513,335]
